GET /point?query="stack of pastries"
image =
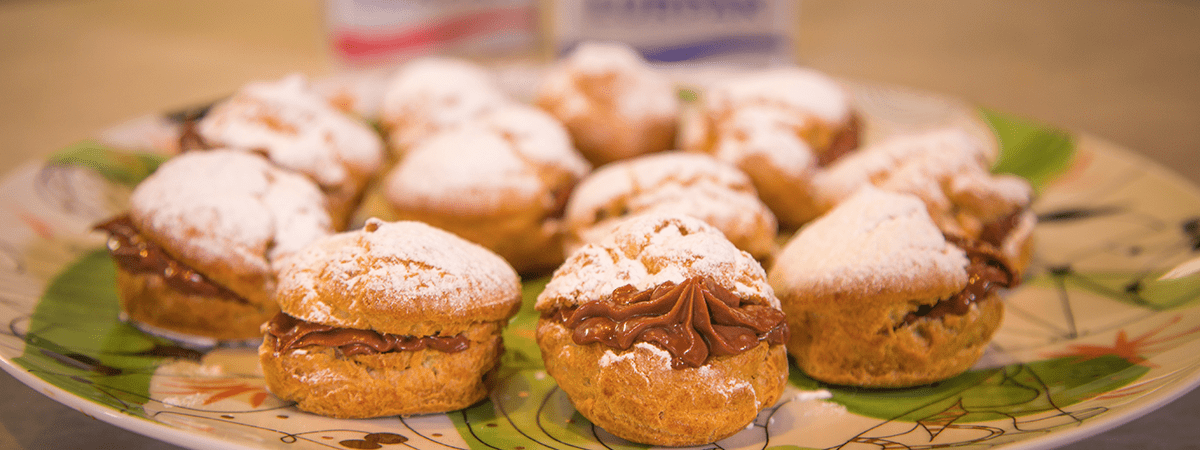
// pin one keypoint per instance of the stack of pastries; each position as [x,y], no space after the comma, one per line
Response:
[677,289]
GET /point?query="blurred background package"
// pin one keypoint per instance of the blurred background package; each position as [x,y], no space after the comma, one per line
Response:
[746,33]
[365,33]
[688,33]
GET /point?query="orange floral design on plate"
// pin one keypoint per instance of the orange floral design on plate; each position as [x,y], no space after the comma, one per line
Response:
[219,389]
[1132,350]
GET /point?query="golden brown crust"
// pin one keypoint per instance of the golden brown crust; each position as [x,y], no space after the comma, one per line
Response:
[604,136]
[848,280]
[524,237]
[343,201]
[786,191]
[614,105]
[296,128]
[148,299]
[253,282]
[786,194]
[649,249]
[860,343]
[323,381]
[405,278]
[636,395]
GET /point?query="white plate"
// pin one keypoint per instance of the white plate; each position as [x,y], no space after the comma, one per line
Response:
[1092,339]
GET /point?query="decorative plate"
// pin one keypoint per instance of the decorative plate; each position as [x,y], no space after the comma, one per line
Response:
[1094,337]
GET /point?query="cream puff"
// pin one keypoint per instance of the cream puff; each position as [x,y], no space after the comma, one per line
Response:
[396,318]
[664,333]
[614,104]
[501,181]
[197,252]
[948,169]
[877,296]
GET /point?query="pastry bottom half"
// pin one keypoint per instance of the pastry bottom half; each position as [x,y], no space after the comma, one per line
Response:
[849,343]
[322,380]
[635,394]
[148,299]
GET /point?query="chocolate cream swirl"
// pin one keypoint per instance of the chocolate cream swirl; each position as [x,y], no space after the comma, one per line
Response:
[291,333]
[690,320]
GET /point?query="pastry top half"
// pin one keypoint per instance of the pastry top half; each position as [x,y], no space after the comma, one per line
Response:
[877,246]
[296,128]
[671,182]
[949,170]
[432,94]
[798,90]
[942,166]
[615,104]
[403,278]
[231,215]
[797,106]
[611,76]
[650,250]
[510,158]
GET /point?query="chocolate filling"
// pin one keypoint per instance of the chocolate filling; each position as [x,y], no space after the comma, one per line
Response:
[995,232]
[136,254]
[690,320]
[986,273]
[292,333]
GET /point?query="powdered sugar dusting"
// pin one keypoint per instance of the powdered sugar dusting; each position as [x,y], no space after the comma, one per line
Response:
[767,132]
[624,82]
[610,357]
[186,401]
[408,268]
[648,250]
[467,171]
[727,385]
[946,168]
[536,136]
[796,88]
[506,158]
[432,94]
[670,182]
[297,129]
[229,207]
[875,240]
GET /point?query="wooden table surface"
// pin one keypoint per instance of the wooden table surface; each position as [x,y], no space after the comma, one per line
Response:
[1124,71]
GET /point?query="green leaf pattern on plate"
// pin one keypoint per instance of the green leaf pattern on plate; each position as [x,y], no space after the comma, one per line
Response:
[76,338]
[993,394]
[1029,150]
[117,166]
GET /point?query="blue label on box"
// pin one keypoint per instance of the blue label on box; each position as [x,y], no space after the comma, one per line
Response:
[756,32]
